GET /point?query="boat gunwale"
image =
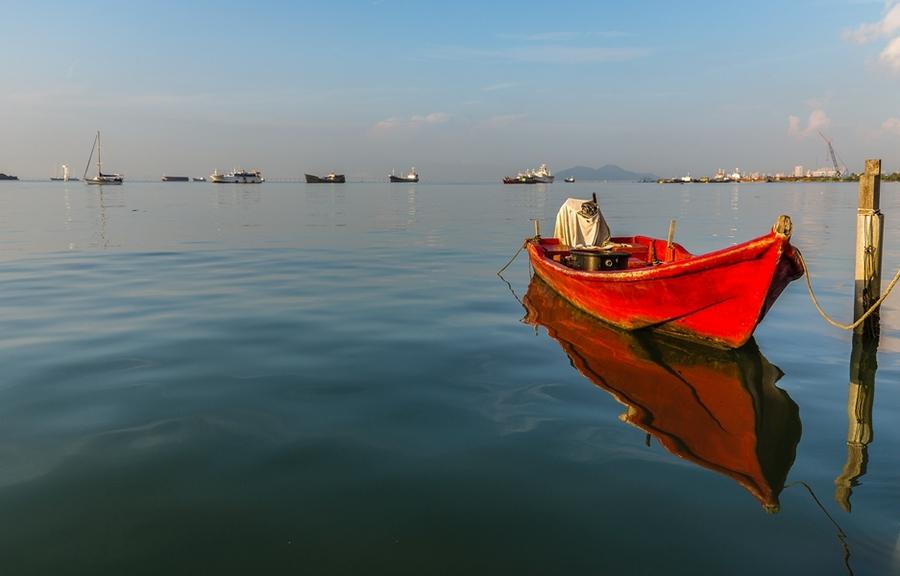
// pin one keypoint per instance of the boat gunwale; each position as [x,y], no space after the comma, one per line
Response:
[749,250]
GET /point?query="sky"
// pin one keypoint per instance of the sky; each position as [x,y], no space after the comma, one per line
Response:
[463,91]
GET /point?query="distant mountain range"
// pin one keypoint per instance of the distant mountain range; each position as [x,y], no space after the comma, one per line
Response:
[608,172]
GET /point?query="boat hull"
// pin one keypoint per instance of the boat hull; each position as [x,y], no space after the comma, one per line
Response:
[519,180]
[175,179]
[336,179]
[104,180]
[249,178]
[718,298]
[403,179]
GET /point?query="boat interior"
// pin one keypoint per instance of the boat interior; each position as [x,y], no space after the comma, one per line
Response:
[632,251]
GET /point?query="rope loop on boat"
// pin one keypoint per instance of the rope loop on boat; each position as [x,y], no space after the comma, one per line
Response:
[828,318]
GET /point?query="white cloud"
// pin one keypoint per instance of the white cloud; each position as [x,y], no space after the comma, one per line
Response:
[818,120]
[890,56]
[885,27]
[499,86]
[414,121]
[540,36]
[433,118]
[543,54]
[891,125]
[506,119]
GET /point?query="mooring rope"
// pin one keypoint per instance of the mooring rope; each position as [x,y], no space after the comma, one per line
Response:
[841,535]
[511,260]
[828,318]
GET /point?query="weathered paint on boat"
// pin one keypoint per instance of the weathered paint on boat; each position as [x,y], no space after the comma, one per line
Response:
[719,297]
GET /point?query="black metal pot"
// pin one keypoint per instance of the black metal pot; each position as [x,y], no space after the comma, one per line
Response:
[591,260]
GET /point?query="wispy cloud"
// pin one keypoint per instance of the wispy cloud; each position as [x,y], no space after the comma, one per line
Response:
[869,32]
[414,121]
[563,36]
[890,56]
[887,27]
[891,125]
[505,119]
[546,54]
[499,86]
[540,36]
[818,120]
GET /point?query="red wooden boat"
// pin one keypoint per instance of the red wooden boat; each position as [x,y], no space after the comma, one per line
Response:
[717,408]
[718,298]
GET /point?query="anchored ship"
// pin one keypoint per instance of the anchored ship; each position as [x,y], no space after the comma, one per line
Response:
[237,177]
[331,178]
[65,175]
[100,178]
[541,175]
[412,176]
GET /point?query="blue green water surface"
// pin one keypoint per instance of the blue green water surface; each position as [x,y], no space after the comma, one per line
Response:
[323,379]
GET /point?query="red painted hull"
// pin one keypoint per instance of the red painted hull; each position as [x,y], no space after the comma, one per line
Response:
[718,298]
[719,409]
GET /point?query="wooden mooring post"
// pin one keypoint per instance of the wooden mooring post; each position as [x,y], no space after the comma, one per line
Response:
[869,237]
[860,429]
[863,358]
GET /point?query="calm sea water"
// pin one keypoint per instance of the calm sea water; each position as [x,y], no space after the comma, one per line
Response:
[319,379]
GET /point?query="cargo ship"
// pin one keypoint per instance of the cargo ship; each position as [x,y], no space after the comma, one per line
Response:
[331,178]
[412,176]
[175,179]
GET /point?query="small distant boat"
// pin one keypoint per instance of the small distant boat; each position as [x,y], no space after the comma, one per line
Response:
[331,178]
[65,175]
[175,179]
[8,176]
[412,176]
[100,178]
[237,177]
[198,179]
[570,179]
[541,175]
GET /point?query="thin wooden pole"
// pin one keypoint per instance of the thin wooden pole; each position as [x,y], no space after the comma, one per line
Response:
[869,238]
[670,243]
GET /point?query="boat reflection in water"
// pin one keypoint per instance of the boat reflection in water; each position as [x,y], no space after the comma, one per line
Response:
[717,408]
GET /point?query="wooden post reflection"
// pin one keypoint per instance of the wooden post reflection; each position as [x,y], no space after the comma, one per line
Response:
[860,397]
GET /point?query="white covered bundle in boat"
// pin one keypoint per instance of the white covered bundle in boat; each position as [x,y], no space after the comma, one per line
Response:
[577,226]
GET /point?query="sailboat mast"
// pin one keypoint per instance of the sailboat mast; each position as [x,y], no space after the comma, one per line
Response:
[88,165]
[99,164]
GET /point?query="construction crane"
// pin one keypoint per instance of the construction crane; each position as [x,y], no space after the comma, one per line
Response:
[834,162]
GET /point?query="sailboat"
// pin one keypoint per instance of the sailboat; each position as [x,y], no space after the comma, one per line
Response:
[100,178]
[65,175]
